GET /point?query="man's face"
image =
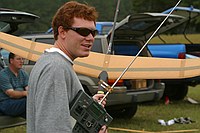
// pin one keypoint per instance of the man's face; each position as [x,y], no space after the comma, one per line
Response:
[17,62]
[77,45]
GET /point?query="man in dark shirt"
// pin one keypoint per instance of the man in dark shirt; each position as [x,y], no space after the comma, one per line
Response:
[13,88]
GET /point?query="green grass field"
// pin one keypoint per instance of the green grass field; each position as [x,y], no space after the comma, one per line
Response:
[146,118]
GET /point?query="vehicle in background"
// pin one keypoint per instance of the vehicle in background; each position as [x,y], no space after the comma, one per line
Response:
[104,27]
[176,89]
[11,19]
[177,51]
[9,22]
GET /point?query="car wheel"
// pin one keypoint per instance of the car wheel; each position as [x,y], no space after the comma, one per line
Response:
[125,113]
[176,91]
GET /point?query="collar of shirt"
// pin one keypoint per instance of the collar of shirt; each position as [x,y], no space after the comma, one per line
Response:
[60,52]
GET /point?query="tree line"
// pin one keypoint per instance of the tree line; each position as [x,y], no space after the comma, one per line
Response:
[106,8]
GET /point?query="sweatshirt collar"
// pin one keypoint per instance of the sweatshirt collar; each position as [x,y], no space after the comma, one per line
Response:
[53,49]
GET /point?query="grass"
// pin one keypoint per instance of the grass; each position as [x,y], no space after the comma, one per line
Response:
[146,118]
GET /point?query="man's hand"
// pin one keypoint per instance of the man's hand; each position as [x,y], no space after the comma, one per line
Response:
[16,94]
[103,129]
[98,98]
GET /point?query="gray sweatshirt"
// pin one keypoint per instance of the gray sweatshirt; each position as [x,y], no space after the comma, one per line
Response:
[52,86]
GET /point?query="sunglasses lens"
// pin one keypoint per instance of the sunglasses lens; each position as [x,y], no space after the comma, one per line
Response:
[95,32]
[85,32]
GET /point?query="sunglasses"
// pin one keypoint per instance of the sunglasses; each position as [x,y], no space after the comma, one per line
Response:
[83,31]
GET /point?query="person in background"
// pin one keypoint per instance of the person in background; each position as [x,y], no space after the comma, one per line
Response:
[13,87]
[53,83]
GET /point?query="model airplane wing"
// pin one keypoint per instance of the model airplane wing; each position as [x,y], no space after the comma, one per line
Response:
[142,68]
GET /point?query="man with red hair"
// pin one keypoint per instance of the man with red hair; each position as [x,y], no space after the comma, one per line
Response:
[53,83]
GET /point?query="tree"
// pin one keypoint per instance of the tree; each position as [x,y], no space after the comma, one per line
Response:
[106,9]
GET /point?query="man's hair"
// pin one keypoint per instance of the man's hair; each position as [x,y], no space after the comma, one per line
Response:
[11,56]
[70,10]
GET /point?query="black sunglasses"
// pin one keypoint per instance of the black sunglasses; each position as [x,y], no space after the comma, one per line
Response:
[83,31]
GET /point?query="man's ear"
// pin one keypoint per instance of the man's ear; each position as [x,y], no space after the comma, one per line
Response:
[11,60]
[62,32]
